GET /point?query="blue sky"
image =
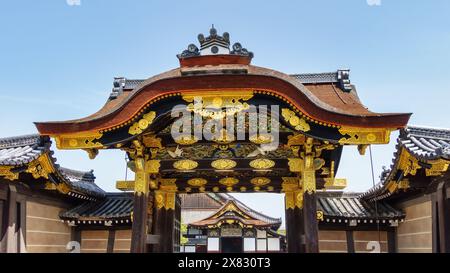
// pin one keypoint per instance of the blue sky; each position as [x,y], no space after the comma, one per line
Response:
[58,61]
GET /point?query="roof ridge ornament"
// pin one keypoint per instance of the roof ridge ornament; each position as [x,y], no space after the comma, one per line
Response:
[214,44]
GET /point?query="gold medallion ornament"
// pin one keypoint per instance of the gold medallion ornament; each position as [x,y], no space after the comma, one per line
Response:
[185,165]
[197,182]
[215,189]
[260,181]
[261,138]
[186,140]
[319,215]
[262,164]
[229,181]
[223,164]
[139,126]
[298,123]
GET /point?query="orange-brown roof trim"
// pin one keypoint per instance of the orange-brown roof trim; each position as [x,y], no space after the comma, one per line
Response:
[322,107]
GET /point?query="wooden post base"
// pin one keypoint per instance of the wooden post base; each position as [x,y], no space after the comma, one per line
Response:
[294,230]
[310,223]
[139,227]
[163,226]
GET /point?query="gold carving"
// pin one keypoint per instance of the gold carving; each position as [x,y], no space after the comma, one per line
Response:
[293,193]
[437,168]
[223,164]
[359,136]
[209,103]
[185,165]
[142,124]
[152,166]
[7,173]
[262,164]
[63,188]
[298,123]
[83,140]
[295,165]
[92,153]
[159,199]
[224,137]
[141,176]
[260,181]
[50,186]
[186,140]
[296,140]
[151,141]
[229,181]
[197,182]
[362,148]
[41,167]
[261,138]
[403,184]
[319,215]
[293,199]
[407,163]
[309,175]
[125,185]
[165,196]
[335,183]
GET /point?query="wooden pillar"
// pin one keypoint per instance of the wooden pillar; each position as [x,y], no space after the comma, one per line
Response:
[310,201]
[350,241]
[164,220]
[10,241]
[293,197]
[443,216]
[310,223]
[140,208]
[294,230]
[392,240]
[111,241]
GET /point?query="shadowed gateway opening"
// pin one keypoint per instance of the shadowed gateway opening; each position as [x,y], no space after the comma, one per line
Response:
[231,245]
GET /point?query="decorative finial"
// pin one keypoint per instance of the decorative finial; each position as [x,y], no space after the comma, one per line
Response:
[214,45]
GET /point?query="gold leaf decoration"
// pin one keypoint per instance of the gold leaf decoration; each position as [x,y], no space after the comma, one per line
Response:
[223,164]
[229,181]
[186,140]
[298,123]
[185,165]
[197,182]
[260,181]
[262,163]
[142,124]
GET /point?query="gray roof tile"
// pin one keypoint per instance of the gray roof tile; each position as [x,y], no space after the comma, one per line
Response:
[21,150]
[351,206]
[424,143]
